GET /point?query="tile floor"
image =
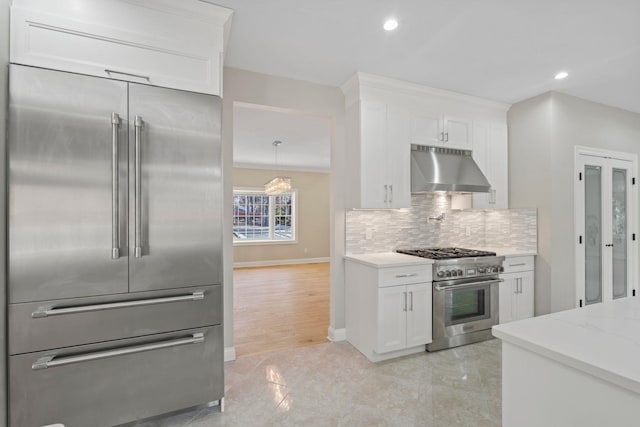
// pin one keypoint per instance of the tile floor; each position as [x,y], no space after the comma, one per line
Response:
[332,384]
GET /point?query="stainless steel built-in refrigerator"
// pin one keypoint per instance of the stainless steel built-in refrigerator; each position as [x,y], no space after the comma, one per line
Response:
[114,269]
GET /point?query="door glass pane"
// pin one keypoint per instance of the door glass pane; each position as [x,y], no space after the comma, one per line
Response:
[593,234]
[619,229]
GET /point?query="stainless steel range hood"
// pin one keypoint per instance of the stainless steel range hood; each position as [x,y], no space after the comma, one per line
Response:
[445,169]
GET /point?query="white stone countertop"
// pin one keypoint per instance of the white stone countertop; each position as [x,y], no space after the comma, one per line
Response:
[388,259]
[602,340]
[507,252]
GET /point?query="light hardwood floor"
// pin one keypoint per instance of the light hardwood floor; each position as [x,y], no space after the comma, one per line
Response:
[280,307]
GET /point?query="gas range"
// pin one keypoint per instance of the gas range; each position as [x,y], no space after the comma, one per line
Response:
[465,294]
[458,263]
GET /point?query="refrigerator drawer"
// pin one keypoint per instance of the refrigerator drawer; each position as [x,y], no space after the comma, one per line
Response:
[116,382]
[63,323]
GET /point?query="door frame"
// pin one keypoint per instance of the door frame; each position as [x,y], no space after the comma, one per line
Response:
[632,266]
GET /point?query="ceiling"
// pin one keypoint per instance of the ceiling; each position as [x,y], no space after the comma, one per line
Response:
[505,50]
[306,139]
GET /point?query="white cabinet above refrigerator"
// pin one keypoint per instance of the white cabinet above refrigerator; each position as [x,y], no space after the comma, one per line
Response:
[164,43]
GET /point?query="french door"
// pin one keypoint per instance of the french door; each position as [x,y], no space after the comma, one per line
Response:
[605,224]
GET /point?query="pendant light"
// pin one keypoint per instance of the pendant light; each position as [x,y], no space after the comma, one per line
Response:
[279,184]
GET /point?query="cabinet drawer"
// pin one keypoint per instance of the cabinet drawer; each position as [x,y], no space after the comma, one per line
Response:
[63,323]
[111,383]
[518,263]
[404,275]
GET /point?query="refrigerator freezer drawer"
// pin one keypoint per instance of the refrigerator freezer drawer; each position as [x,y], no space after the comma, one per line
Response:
[63,323]
[116,382]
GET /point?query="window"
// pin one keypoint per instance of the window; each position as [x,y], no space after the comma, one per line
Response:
[258,217]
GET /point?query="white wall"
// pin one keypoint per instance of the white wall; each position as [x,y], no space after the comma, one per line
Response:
[543,132]
[4,60]
[530,181]
[254,88]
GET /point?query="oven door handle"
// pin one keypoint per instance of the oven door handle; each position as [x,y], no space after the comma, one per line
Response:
[467,285]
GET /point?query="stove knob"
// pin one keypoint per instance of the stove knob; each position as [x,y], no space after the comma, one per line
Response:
[460,273]
[440,274]
[447,273]
[494,270]
[482,270]
[501,269]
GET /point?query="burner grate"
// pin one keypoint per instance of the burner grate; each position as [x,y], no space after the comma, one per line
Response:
[445,253]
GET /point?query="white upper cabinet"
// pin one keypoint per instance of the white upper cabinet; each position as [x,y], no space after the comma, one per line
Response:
[379,163]
[426,128]
[440,130]
[384,117]
[490,151]
[160,42]
[457,133]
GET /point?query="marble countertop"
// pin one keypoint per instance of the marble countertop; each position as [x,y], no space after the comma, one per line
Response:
[388,259]
[602,340]
[392,259]
[507,252]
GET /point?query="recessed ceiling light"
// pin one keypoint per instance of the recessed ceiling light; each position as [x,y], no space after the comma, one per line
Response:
[390,24]
[561,75]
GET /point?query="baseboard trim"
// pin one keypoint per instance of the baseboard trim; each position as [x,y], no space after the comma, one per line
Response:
[336,335]
[270,263]
[229,354]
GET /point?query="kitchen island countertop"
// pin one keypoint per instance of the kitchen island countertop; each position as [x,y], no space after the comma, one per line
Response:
[602,340]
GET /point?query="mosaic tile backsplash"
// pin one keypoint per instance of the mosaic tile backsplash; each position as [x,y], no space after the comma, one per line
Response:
[391,229]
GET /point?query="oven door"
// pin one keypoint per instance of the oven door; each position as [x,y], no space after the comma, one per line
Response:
[464,305]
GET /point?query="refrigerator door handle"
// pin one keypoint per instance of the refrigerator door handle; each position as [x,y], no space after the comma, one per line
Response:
[115,194]
[52,361]
[46,311]
[138,123]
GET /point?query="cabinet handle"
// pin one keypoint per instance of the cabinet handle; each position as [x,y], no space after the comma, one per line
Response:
[46,311]
[411,309]
[406,275]
[51,362]
[518,264]
[442,136]
[138,123]
[391,193]
[446,137]
[405,301]
[386,193]
[139,76]
[115,193]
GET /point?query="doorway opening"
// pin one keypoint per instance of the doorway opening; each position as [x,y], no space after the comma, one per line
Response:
[281,241]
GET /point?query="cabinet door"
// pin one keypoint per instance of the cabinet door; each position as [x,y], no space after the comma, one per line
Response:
[491,153]
[63,224]
[373,156]
[398,157]
[392,318]
[177,48]
[419,314]
[175,193]
[507,295]
[499,179]
[525,296]
[426,128]
[482,155]
[457,133]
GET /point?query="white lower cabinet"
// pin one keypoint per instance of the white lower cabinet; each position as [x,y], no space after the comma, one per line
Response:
[402,317]
[517,290]
[388,310]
